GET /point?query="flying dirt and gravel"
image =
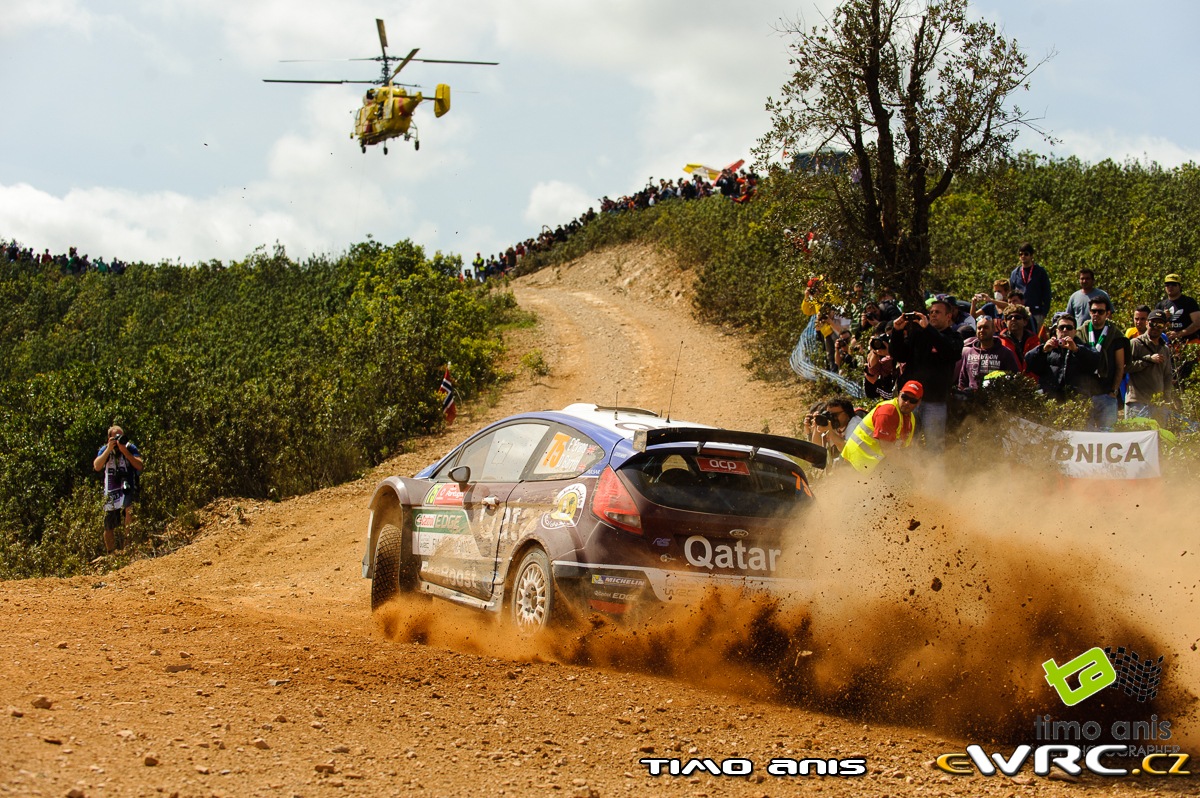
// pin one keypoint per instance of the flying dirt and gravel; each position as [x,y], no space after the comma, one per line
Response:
[248,663]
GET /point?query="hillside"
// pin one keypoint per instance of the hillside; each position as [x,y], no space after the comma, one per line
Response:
[248,663]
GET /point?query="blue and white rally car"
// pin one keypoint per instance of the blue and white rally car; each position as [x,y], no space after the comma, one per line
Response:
[547,515]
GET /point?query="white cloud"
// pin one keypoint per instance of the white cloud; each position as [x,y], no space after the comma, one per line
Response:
[1094,146]
[555,200]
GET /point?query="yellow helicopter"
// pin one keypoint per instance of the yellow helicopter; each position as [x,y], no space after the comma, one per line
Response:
[387,111]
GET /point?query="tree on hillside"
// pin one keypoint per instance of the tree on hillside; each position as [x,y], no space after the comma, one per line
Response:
[917,92]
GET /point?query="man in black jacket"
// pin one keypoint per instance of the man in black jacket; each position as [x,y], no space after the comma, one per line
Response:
[928,348]
[1064,364]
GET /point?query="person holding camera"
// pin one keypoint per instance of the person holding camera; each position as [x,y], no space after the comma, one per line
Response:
[121,462]
[1063,364]
[879,377]
[928,349]
[830,424]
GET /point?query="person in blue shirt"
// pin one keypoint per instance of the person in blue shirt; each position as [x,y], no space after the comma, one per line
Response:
[1034,284]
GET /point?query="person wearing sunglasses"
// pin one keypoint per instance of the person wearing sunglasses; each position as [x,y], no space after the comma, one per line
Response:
[890,424]
[1063,364]
[1017,337]
[1151,392]
[1184,311]
[1104,384]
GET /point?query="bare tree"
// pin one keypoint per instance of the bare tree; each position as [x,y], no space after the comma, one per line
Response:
[917,91]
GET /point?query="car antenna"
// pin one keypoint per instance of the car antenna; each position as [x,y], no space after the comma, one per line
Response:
[616,403]
[671,398]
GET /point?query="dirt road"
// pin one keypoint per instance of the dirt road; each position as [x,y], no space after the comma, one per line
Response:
[249,664]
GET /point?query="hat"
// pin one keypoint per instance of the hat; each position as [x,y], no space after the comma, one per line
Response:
[913,387]
[1172,278]
[1159,315]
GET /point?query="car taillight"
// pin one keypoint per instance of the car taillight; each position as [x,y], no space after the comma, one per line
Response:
[612,503]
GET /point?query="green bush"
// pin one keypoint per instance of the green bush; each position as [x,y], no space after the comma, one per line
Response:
[263,379]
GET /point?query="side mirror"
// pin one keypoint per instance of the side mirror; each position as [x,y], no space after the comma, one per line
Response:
[461,475]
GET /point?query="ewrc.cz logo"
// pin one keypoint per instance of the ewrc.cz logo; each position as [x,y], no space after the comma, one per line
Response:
[1065,757]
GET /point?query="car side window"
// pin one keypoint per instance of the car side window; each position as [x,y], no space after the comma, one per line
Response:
[566,454]
[501,455]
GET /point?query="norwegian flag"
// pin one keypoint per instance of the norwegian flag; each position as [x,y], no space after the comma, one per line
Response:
[449,408]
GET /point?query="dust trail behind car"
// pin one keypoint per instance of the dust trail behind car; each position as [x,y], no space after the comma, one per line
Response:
[932,608]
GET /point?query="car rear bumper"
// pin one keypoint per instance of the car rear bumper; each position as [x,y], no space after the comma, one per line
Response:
[617,588]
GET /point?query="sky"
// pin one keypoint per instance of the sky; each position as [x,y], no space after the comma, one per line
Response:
[142,130]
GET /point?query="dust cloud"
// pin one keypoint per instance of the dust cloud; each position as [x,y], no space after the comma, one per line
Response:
[930,606]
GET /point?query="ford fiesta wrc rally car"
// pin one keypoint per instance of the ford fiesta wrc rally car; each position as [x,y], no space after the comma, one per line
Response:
[547,515]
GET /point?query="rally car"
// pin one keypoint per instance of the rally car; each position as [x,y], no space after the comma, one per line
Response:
[546,515]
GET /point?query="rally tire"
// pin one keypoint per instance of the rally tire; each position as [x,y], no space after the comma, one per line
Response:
[535,601]
[395,567]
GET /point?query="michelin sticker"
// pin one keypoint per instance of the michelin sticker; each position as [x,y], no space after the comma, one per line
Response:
[567,506]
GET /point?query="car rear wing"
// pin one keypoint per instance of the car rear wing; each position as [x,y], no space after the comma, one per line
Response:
[701,436]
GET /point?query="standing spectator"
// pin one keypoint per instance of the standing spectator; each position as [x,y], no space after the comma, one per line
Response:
[892,422]
[1081,300]
[1141,321]
[1034,284]
[1151,387]
[928,349]
[1017,337]
[1104,383]
[121,463]
[879,377]
[1063,362]
[1184,324]
[982,355]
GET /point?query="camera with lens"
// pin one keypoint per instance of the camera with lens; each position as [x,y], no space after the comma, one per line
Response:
[821,419]
[879,342]
[912,316]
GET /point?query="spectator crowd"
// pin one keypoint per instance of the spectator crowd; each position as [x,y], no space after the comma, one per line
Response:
[952,347]
[738,186]
[70,263]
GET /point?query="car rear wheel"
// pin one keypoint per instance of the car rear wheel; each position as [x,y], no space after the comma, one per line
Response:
[395,567]
[534,601]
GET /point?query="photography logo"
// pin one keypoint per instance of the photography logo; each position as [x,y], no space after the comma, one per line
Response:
[1138,678]
[1098,668]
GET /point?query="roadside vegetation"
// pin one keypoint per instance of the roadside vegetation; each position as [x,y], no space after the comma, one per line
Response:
[262,379]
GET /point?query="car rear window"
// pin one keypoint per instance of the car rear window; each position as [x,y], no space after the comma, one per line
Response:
[733,485]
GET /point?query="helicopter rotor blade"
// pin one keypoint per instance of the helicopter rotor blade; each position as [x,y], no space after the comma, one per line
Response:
[382,34]
[404,63]
[449,61]
[277,80]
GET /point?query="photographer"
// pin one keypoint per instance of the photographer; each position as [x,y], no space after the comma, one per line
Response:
[928,349]
[1063,363]
[121,463]
[831,424]
[879,378]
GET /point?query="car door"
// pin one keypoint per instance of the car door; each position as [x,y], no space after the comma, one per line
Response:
[459,526]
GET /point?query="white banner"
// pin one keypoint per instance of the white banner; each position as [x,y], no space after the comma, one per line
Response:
[1091,455]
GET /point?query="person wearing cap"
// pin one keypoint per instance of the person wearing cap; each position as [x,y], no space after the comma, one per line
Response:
[889,424]
[1184,323]
[1151,391]
[928,349]
[1034,284]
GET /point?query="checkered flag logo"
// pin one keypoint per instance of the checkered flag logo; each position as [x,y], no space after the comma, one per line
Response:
[1139,678]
